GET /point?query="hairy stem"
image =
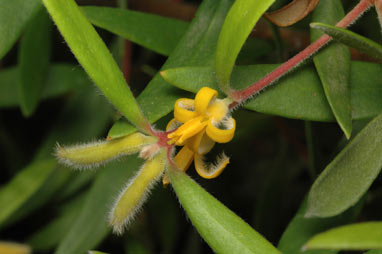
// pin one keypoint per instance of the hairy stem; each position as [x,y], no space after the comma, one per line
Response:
[243,95]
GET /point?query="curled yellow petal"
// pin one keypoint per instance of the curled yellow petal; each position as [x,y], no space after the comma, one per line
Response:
[211,170]
[217,110]
[14,248]
[223,133]
[203,99]
[173,124]
[135,193]
[200,143]
[97,153]
[183,160]
[184,110]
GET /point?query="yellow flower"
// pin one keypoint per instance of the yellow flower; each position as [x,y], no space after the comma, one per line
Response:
[198,125]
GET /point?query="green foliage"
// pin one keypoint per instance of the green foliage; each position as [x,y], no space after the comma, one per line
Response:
[238,24]
[333,66]
[139,27]
[34,57]
[349,175]
[351,39]
[359,236]
[275,157]
[224,231]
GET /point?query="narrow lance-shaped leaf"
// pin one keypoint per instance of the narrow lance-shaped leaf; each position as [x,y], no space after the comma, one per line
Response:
[238,24]
[223,230]
[349,175]
[292,12]
[14,15]
[197,47]
[351,39]
[300,229]
[34,56]
[61,79]
[23,186]
[360,236]
[154,32]
[333,65]
[94,56]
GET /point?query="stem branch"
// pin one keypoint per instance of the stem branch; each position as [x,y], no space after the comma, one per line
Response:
[243,95]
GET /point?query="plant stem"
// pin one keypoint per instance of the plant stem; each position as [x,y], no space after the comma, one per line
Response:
[243,95]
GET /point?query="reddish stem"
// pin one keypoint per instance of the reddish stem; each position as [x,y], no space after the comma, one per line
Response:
[243,95]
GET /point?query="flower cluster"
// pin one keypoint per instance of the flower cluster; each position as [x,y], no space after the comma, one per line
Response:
[196,126]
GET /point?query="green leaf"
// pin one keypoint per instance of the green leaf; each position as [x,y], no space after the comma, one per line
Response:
[90,115]
[61,79]
[51,234]
[95,58]
[34,56]
[300,229]
[298,96]
[351,39]
[91,225]
[349,175]
[333,65]
[154,32]
[96,252]
[238,24]
[374,252]
[16,192]
[359,236]
[14,15]
[223,230]
[197,47]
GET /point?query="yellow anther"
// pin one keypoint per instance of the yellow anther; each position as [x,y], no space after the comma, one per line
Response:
[184,110]
[189,129]
[203,99]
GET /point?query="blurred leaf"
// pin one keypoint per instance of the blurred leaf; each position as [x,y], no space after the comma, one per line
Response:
[61,79]
[238,24]
[360,236]
[333,65]
[96,252]
[300,229]
[95,58]
[14,16]
[351,39]
[374,252]
[157,33]
[299,96]
[197,47]
[51,234]
[16,192]
[223,230]
[292,12]
[89,114]
[91,226]
[34,58]
[349,175]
